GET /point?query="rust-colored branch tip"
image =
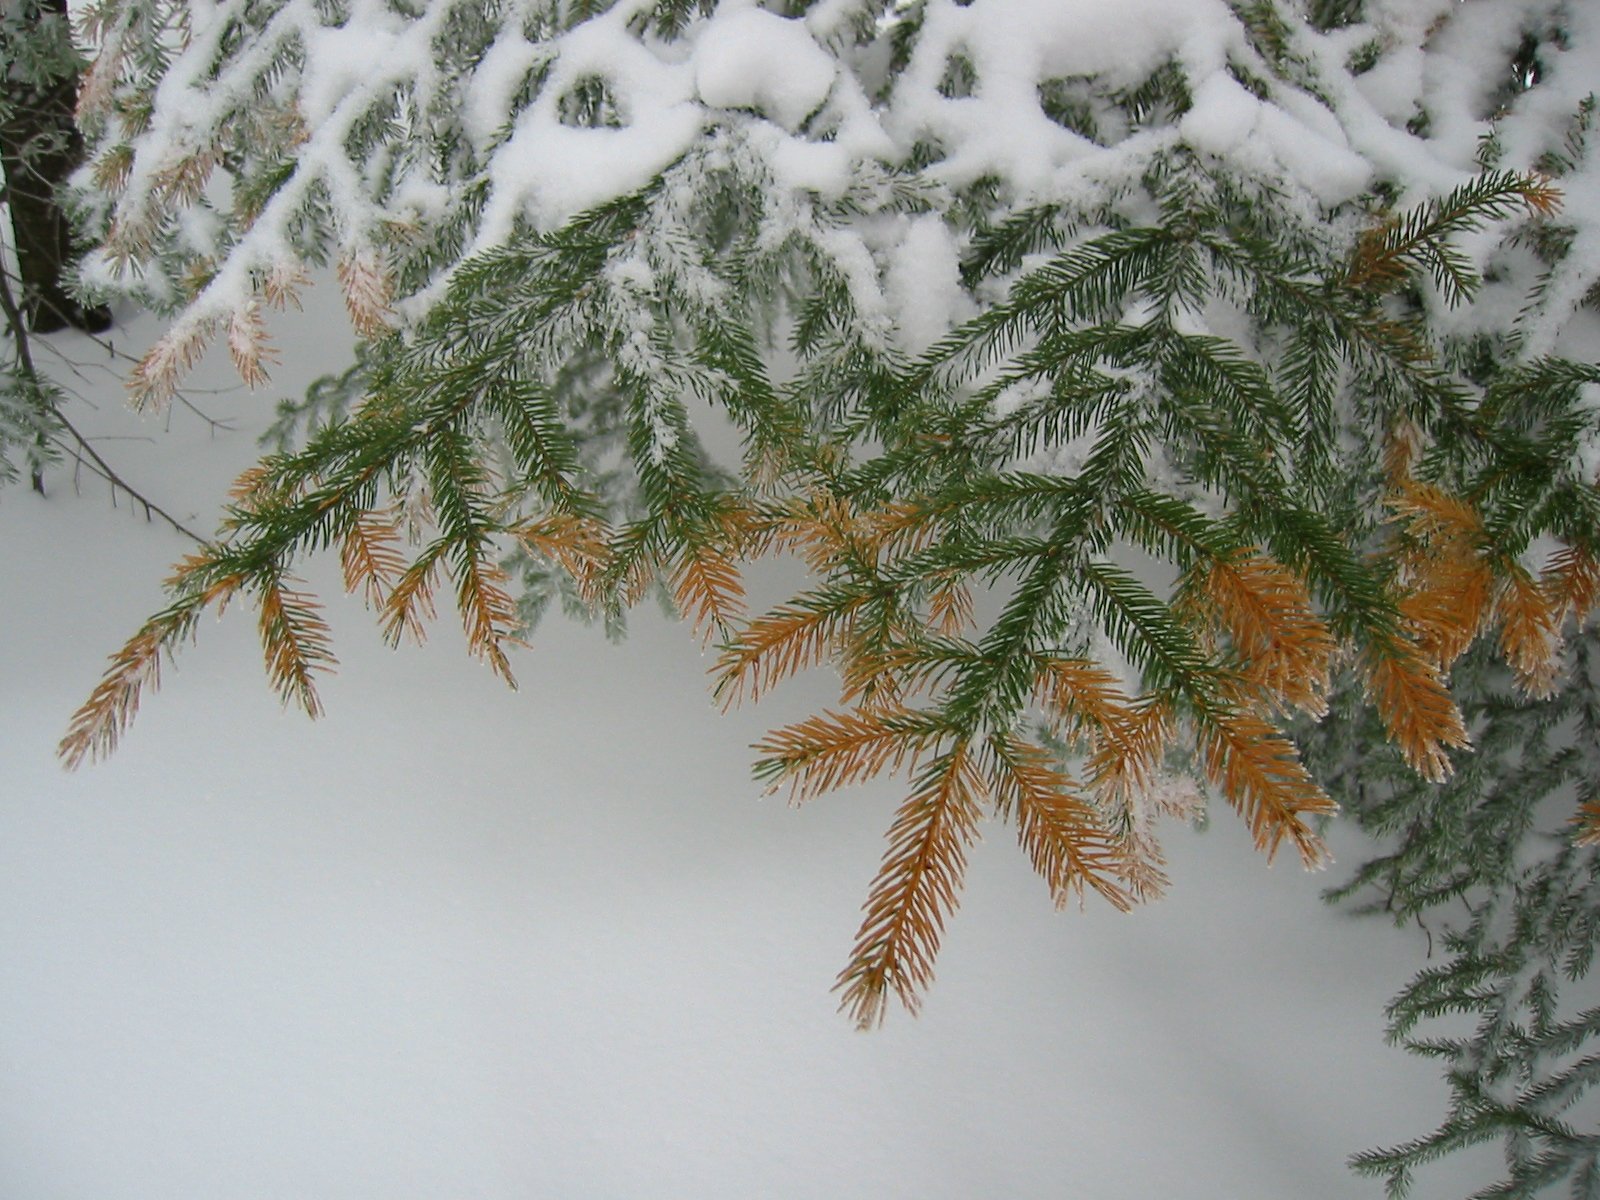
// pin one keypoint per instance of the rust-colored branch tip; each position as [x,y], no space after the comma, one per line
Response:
[296,644]
[368,289]
[1587,824]
[97,727]
[1416,707]
[916,889]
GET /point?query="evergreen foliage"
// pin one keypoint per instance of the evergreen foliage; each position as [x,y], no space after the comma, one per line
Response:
[37,51]
[1518,898]
[1234,304]
[39,147]
[904,486]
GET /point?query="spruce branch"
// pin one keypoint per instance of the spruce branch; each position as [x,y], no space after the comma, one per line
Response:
[295,640]
[1418,241]
[832,750]
[98,726]
[1259,770]
[916,889]
[544,403]
[1060,829]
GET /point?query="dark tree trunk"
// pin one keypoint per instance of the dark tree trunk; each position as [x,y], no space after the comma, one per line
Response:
[39,148]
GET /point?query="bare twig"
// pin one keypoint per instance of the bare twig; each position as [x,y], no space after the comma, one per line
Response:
[24,357]
[217,425]
[106,472]
[22,344]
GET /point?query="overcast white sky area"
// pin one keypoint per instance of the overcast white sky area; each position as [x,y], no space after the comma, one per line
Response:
[458,942]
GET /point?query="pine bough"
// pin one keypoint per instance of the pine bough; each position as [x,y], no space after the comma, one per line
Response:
[1236,299]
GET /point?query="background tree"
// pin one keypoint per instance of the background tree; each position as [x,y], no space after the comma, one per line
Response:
[1485,861]
[40,147]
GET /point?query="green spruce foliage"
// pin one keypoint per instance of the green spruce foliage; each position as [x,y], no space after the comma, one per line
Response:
[1251,379]
[1020,456]
[1491,862]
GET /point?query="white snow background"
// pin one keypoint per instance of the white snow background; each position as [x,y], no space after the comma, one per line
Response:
[457,942]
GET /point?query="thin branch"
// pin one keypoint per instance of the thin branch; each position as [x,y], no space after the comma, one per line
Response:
[22,342]
[77,368]
[151,508]
[19,334]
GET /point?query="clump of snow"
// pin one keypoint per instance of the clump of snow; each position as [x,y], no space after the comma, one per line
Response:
[1394,86]
[487,103]
[1327,169]
[1223,116]
[823,167]
[342,60]
[924,284]
[814,106]
[1013,46]
[1297,135]
[854,261]
[750,58]
[551,170]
